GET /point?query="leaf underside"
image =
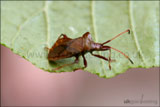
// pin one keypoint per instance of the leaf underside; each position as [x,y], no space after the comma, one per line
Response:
[30,26]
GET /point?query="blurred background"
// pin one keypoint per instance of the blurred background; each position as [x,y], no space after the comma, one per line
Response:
[23,84]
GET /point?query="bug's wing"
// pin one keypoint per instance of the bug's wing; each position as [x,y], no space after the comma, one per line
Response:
[58,48]
[65,49]
[56,53]
[75,46]
[61,41]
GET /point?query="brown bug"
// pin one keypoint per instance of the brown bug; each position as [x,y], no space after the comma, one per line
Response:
[66,47]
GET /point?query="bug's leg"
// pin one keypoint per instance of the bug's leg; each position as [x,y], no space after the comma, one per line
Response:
[76,61]
[117,36]
[110,59]
[46,48]
[102,57]
[84,61]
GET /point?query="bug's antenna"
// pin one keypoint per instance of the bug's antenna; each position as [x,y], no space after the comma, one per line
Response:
[123,54]
[117,36]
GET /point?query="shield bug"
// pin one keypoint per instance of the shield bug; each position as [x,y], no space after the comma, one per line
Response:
[66,47]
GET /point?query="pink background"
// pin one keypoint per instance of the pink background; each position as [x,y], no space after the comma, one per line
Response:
[23,84]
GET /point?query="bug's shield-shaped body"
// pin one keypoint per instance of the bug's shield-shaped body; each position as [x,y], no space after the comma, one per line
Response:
[66,47]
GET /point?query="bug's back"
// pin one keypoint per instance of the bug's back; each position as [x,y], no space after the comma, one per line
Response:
[65,48]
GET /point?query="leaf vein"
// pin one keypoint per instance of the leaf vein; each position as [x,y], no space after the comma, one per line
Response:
[21,26]
[134,32]
[47,22]
[95,29]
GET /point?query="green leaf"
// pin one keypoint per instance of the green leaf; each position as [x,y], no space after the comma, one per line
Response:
[29,26]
